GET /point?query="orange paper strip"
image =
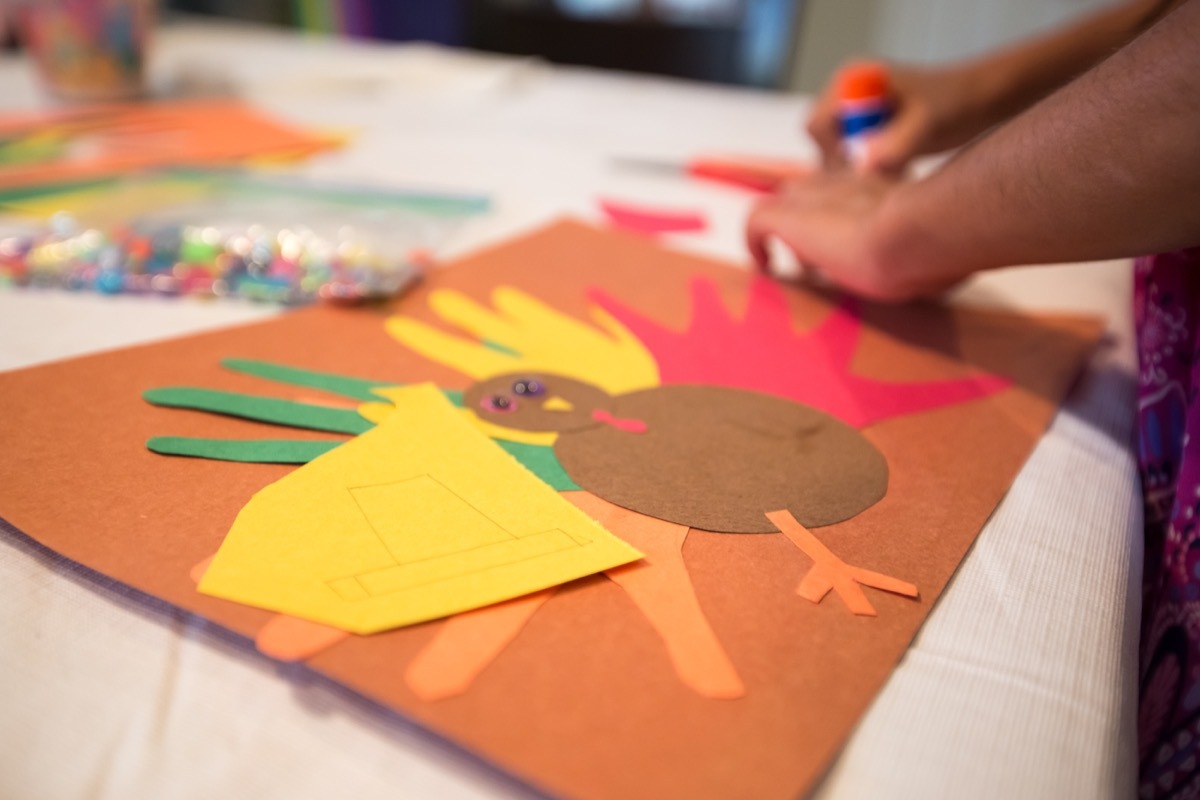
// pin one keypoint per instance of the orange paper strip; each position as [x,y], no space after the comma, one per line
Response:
[466,644]
[293,639]
[284,637]
[201,567]
[830,572]
[124,137]
[660,587]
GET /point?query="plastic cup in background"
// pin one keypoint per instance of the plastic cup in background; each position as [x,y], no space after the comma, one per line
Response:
[90,50]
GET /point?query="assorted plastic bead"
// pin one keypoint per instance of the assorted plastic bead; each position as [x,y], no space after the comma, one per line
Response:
[287,266]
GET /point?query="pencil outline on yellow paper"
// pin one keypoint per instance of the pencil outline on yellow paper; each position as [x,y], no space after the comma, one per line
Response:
[311,545]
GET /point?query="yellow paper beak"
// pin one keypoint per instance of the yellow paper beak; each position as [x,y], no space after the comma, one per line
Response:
[556,403]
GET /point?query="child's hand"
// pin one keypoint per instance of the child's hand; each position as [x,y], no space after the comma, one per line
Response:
[932,110]
[840,225]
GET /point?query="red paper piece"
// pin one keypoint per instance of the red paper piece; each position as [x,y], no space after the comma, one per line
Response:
[652,221]
[620,423]
[762,352]
[748,172]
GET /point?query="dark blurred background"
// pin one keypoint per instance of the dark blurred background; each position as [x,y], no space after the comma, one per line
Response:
[740,42]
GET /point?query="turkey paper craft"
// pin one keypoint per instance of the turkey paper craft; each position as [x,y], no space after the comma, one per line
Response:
[652,432]
[780,459]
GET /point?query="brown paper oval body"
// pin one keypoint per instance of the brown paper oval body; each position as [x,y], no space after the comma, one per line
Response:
[718,459]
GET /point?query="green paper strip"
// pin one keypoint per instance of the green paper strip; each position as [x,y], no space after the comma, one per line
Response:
[354,388]
[538,459]
[255,451]
[344,385]
[261,409]
[541,461]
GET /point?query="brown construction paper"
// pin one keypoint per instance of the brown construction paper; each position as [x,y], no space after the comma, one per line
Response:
[584,702]
[718,459]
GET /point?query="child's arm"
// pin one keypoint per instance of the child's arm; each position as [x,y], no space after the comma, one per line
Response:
[1106,167]
[938,108]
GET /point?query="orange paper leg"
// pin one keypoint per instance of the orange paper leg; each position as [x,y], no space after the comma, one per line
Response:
[830,572]
[294,639]
[466,643]
[661,588]
[201,567]
[283,637]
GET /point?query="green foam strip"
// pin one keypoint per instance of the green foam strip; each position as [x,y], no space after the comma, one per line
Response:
[257,451]
[261,409]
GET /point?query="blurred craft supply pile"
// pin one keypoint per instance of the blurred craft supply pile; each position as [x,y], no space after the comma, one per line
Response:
[111,199]
[226,235]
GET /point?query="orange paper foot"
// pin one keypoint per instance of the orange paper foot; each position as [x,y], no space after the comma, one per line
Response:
[466,643]
[662,590]
[294,639]
[830,572]
[283,637]
[201,567]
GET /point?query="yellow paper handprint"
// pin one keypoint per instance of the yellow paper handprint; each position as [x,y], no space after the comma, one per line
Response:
[535,337]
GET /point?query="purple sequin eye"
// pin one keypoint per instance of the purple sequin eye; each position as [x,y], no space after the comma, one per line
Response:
[529,387]
[498,403]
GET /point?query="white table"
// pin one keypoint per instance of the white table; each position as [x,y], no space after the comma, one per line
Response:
[1021,684]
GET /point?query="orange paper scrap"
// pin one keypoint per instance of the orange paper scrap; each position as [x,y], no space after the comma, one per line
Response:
[103,141]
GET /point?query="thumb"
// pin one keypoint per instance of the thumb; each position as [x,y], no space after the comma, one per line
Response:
[889,151]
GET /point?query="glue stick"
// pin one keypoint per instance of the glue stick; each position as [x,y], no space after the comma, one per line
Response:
[864,108]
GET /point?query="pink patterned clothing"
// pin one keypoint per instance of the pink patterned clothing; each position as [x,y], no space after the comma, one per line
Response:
[1167,315]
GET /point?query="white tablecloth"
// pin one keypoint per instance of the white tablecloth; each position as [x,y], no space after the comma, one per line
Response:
[1021,683]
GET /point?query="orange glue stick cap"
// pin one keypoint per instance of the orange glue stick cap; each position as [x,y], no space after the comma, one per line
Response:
[863,81]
